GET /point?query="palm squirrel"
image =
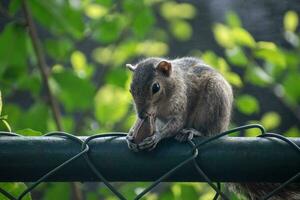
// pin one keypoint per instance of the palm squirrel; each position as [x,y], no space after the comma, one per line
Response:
[187,98]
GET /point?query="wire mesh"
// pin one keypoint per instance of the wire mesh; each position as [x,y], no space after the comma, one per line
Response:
[83,152]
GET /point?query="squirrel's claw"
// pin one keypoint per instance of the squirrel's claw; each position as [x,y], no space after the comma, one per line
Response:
[149,143]
[187,134]
[131,145]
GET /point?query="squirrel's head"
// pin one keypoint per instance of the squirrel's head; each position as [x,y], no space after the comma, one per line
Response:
[151,84]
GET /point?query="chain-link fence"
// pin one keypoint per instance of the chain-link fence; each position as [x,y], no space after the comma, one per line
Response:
[193,153]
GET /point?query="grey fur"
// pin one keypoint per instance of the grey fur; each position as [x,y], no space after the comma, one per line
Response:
[195,100]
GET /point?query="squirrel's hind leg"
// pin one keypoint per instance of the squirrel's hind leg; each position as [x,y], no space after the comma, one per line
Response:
[187,134]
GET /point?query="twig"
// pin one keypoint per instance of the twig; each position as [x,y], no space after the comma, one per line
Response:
[45,77]
[42,64]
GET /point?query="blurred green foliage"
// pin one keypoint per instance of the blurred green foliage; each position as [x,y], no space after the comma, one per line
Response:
[87,44]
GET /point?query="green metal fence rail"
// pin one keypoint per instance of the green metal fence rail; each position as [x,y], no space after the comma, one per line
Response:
[63,157]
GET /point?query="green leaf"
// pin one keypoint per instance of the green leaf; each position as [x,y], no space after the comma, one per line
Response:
[253,132]
[95,11]
[35,118]
[117,76]
[210,58]
[103,55]
[172,10]
[270,120]
[74,92]
[257,76]
[14,6]
[152,48]
[59,49]
[143,22]
[223,35]
[6,125]
[247,104]
[29,132]
[111,104]
[236,56]
[181,30]
[59,17]
[15,189]
[15,115]
[290,21]
[232,19]
[291,87]
[57,191]
[0,103]
[243,37]
[110,28]
[292,132]
[13,48]
[79,63]
[233,78]
[270,53]
[30,82]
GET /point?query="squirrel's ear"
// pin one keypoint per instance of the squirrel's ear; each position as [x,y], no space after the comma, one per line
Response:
[131,67]
[165,67]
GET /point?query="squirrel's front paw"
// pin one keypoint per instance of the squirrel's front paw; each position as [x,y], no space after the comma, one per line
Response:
[149,143]
[131,144]
[187,134]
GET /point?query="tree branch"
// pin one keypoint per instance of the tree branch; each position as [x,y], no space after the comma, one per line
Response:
[45,77]
[42,64]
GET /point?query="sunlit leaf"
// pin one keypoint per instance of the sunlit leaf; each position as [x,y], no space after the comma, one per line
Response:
[29,132]
[243,37]
[79,63]
[270,53]
[95,11]
[111,103]
[247,104]
[6,125]
[290,21]
[233,78]
[236,56]
[152,48]
[210,58]
[103,55]
[292,132]
[252,132]
[172,10]
[257,76]
[181,30]
[223,35]
[270,120]
[15,189]
[233,19]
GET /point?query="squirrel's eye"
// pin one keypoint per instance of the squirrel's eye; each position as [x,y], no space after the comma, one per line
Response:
[155,88]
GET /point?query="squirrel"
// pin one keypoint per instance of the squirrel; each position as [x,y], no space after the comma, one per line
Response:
[187,98]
